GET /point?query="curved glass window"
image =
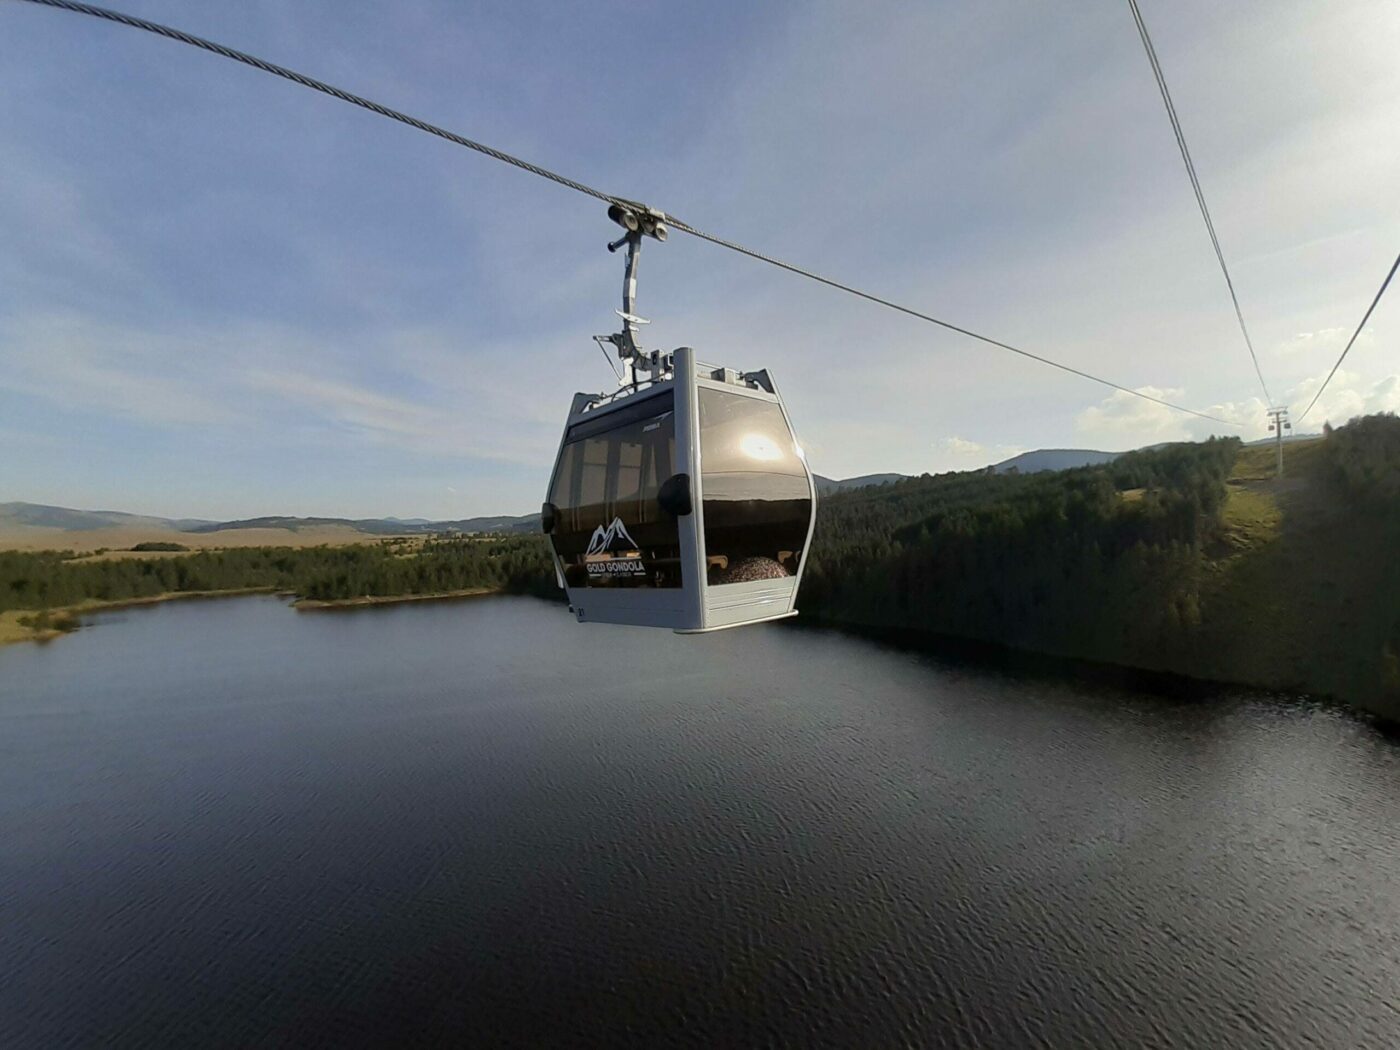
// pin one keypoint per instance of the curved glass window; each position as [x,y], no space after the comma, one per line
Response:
[609,529]
[757,503]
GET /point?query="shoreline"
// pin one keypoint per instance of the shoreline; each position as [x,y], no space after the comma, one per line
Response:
[12,632]
[363,600]
[1163,681]
[1177,684]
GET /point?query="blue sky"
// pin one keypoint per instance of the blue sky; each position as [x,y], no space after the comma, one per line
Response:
[222,295]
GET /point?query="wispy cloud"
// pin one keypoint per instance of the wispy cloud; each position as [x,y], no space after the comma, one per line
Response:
[236,378]
[1323,342]
[1350,394]
[1123,421]
[111,371]
[1126,421]
[957,446]
[956,453]
[323,285]
[354,413]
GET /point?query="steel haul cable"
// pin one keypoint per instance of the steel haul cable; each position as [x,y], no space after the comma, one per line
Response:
[461,140]
[1347,349]
[1196,188]
[933,320]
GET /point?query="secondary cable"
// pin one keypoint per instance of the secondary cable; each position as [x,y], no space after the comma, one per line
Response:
[1196,188]
[1384,285]
[461,140]
[829,282]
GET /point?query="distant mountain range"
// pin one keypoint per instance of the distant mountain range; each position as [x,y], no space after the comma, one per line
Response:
[826,486]
[36,515]
[1043,459]
[39,516]
[382,526]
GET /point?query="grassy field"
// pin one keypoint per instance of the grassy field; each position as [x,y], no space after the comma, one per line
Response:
[12,630]
[119,541]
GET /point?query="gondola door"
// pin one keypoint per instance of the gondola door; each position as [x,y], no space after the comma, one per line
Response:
[758,500]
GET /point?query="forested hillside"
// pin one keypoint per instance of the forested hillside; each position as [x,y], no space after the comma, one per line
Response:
[1303,590]
[1098,562]
[392,567]
[1191,558]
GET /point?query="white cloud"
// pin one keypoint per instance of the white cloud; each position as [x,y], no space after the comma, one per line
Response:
[1122,421]
[959,447]
[1028,187]
[237,378]
[480,427]
[111,371]
[1324,342]
[1350,394]
[956,453]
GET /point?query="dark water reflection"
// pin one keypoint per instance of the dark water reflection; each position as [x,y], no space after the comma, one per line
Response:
[226,823]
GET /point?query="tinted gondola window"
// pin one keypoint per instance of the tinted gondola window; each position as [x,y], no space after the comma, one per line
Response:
[609,529]
[757,502]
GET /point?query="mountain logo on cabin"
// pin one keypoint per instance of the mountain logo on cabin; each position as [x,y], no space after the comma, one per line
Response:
[604,541]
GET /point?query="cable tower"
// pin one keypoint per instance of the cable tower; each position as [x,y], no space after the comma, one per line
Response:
[1278,423]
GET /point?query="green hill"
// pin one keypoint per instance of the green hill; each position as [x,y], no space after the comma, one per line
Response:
[1303,588]
[1054,459]
[41,516]
[1188,558]
[1191,558]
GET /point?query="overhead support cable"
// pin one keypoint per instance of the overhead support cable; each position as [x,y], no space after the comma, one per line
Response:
[461,140]
[317,85]
[1196,189]
[829,282]
[1347,349]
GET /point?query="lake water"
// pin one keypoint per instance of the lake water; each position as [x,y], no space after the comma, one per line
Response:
[228,823]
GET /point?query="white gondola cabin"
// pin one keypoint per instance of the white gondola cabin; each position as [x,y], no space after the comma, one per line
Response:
[683,503]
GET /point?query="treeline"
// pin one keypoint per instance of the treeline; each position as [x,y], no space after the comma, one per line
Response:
[1147,562]
[1130,562]
[50,579]
[1100,562]
[1365,458]
[514,563]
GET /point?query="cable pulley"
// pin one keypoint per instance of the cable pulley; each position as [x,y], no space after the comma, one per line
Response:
[637,218]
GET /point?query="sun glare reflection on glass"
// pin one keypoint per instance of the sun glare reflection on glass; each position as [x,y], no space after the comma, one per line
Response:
[756,446]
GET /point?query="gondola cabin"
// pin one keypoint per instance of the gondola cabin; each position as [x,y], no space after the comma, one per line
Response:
[684,503]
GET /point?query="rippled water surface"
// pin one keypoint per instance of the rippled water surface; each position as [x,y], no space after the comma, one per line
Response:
[227,823]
